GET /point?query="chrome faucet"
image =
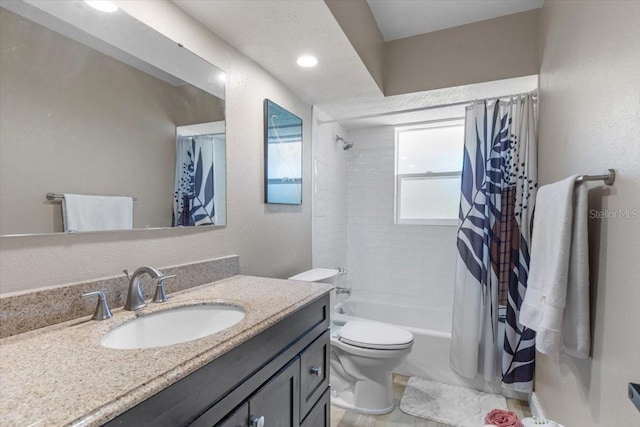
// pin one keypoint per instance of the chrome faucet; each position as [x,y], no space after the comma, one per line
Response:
[135,299]
[341,290]
[102,311]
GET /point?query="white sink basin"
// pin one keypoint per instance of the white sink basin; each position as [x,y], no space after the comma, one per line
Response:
[173,326]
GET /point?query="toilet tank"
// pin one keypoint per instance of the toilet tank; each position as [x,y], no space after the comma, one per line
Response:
[323,275]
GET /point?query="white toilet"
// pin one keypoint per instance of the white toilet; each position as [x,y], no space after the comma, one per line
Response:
[363,354]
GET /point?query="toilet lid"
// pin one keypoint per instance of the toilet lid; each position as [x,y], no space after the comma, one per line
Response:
[315,275]
[375,335]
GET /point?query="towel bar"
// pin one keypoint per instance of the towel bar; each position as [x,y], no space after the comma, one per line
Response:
[54,196]
[608,179]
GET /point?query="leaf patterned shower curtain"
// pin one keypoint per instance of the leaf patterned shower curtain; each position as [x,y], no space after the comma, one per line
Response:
[499,183]
[193,203]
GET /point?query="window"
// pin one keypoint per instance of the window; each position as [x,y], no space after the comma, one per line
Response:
[428,170]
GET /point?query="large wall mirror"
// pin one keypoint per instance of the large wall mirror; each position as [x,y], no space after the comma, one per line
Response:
[96,103]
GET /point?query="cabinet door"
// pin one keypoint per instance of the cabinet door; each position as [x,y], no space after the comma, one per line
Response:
[238,418]
[278,401]
[320,414]
[314,372]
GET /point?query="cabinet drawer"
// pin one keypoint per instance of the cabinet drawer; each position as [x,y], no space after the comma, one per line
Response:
[320,414]
[314,372]
[238,418]
[276,402]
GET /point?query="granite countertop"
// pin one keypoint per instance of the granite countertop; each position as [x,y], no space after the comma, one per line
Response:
[62,375]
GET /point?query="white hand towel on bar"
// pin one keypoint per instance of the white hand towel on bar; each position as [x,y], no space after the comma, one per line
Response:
[97,213]
[556,303]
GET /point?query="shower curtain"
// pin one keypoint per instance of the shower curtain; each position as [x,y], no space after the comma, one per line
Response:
[193,198]
[499,183]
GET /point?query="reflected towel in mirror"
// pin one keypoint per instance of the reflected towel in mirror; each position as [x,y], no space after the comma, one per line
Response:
[96,213]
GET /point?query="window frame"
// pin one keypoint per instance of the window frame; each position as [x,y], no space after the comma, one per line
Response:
[399,178]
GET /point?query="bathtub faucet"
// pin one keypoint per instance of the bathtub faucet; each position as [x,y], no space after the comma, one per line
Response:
[341,290]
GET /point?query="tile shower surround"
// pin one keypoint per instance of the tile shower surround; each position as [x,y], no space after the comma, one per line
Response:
[329,243]
[26,311]
[353,225]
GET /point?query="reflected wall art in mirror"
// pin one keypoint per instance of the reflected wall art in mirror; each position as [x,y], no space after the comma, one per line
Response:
[100,104]
[283,155]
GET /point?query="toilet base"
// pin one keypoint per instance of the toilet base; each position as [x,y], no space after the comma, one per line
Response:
[344,400]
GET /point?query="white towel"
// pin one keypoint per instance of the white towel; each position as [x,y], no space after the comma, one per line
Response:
[96,213]
[556,304]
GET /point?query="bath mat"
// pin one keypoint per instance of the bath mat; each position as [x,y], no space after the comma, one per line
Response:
[448,404]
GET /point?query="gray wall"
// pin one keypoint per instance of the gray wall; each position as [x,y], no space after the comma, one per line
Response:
[272,241]
[589,121]
[494,49]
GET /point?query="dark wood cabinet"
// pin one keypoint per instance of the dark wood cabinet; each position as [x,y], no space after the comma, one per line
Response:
[281,374]
[277,401]
[238,418]
[314,372]
[320,414]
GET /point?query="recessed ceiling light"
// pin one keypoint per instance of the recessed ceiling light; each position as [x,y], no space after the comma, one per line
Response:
[222,77]
[307,61]
[102,5]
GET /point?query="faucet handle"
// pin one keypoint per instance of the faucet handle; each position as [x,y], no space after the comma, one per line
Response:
[161,295]
[126,273]
[102,309]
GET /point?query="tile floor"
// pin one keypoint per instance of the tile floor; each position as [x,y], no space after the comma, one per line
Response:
[397,418]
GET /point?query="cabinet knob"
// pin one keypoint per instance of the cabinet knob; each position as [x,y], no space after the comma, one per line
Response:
[255,421]
[316,370]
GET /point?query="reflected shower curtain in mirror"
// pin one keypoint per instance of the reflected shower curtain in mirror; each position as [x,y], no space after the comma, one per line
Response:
[193,202]
[499,183]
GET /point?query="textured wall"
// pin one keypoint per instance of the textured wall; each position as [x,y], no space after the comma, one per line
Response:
[590,121]
[272,241]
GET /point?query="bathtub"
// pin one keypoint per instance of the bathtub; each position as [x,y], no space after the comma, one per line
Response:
[429,357]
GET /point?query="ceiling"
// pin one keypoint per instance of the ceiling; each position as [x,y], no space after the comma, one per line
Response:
[274,33]
[398,19]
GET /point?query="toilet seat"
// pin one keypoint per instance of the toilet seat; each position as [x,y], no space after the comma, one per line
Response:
[376,336]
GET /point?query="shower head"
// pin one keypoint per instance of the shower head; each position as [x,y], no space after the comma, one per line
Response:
[345,144]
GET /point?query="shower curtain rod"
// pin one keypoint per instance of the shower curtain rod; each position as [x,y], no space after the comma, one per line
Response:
[418,109]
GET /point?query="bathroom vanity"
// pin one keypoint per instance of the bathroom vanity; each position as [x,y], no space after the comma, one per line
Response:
[270,369]
[277,378]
